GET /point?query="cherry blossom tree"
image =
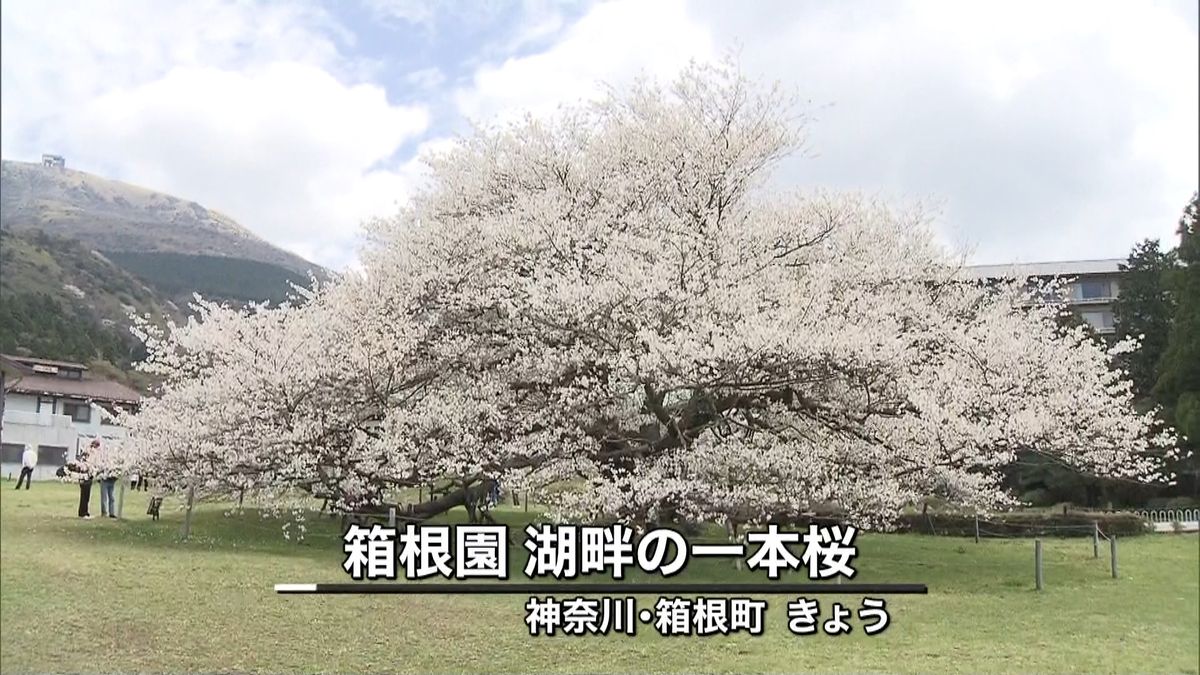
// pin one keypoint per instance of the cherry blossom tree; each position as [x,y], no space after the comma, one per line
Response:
[320,396]
[615,298]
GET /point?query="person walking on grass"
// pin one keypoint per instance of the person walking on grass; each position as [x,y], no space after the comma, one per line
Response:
[28,462]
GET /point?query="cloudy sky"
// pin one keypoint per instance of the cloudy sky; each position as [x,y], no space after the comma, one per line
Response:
[1043,130]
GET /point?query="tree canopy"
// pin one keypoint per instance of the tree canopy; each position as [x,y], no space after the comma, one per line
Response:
[614,296]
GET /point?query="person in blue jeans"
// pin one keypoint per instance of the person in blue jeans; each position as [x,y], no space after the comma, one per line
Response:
[108,484]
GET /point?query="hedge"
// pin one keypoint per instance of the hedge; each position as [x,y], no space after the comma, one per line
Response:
[1074,524]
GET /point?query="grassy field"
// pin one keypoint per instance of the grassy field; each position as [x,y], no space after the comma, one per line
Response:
[105,595]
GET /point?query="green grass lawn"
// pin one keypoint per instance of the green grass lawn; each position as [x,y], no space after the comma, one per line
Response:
[105,595]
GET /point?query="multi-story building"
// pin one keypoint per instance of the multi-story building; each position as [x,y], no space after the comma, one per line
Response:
[55,407]
[1095,285]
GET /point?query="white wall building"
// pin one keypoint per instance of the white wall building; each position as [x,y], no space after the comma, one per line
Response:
[1094,286]
[56,408]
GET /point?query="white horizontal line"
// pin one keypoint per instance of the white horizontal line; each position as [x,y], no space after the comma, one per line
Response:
[295,588]
[718,549]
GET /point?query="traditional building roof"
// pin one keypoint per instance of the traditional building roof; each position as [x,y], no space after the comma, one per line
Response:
[43,377]
[98,390]
[26,363]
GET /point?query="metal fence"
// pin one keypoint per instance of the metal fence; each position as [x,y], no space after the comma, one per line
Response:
[1169,515]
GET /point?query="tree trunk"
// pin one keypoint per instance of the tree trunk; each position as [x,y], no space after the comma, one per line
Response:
[468,497]
[187,517]
[470,502]
[453,498]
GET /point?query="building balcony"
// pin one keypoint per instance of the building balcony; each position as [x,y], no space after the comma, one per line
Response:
[1092,301]
[33,419]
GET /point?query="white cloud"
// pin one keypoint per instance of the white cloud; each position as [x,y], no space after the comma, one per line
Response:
[611,43]
[417,12]
[285,147]
[540,20]
[425,15]
[1045,130]
[247,109]
[426,78]
[1048,130]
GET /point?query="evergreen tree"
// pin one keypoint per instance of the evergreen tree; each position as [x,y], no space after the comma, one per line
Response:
[1178,386]
[1144,309]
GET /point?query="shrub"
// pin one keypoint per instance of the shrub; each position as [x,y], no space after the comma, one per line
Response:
[1025,524]
[1181,503]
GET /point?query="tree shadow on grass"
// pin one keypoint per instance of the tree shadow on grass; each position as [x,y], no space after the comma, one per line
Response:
[221,527]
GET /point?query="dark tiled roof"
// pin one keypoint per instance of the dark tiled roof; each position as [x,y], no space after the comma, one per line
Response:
[100,390]
[30,361]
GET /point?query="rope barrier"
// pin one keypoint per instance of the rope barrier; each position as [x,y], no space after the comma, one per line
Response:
[1037,526]
[278,521]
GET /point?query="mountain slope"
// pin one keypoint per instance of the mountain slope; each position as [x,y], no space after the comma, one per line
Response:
[79,253]
[62,300]
[110,215]
[176,246]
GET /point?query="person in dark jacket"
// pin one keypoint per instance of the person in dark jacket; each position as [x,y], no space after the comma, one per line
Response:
[82,471]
